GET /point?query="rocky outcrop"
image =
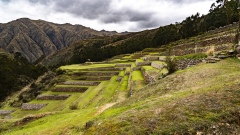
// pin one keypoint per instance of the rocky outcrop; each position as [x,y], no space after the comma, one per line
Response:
[36,39]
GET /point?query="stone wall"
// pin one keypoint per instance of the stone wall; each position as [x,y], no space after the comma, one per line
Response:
[151,58]
[138,55]
[157,65]
[123,65]
[27,106]
[98,78]
[85,83]
[146,63]
[136,68]
[99,73]
[106,69]
[5,112]
[52,97]
[70,89]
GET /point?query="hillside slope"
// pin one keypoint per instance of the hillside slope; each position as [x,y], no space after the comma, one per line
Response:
[16,72]
[190,101]
[36,39]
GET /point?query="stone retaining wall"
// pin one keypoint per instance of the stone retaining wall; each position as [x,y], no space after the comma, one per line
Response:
[157,65]
[123,65]
[138,55]
[5,112]
[52,97]
[106,69]
[70,89]
[99,73]
[98,78]
[151,58]
[136,68]
[85,83]
[146,63]
[27,106]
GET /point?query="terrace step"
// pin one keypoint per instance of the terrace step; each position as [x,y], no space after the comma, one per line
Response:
[157,65]
[52,97]
[96,73]
[123,65]
[146,63]
[95,78]
[28,106]
[70,89]
[6,112]
[106,69]
[84,83]
[151,58]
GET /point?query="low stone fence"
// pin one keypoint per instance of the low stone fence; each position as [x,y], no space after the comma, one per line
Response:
[138,55]
[136,68]
[97,78]
[146,63]
[157,65]
[151,58]
[85,83]
[70,89]
[149,77]
[106,69]
[27,106]
[99,73]
[5,112]
[52,97]
[123,65]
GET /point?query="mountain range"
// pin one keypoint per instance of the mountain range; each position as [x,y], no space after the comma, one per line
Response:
[36,39]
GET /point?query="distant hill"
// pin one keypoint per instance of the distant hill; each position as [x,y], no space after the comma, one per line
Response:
[35,39]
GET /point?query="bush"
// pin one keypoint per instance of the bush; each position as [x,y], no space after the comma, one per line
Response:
[73,106]
[171,64]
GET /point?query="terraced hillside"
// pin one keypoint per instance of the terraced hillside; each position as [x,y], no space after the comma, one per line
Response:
[132,94]
[119,95]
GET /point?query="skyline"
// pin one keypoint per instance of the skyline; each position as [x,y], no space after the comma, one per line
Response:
[110,15]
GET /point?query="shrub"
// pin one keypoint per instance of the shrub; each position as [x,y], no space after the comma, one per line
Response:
[171,64]
[73,106]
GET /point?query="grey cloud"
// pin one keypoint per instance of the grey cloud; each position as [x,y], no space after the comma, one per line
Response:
[127,15]
[148,24]
[89,9]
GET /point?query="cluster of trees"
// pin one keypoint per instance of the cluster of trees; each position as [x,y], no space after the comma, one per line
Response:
[221,13]
[16,72]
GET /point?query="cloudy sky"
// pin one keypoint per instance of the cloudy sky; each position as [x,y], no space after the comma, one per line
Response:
[119,15]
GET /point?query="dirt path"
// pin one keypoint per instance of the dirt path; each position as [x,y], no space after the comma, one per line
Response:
[105,107]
